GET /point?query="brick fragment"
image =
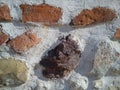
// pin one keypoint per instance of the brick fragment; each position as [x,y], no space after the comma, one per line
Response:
[40,13]
[3,38]
[117,34]
[24,42]
[5,13]
[96,15]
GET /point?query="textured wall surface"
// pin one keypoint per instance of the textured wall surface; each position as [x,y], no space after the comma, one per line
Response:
[29,40]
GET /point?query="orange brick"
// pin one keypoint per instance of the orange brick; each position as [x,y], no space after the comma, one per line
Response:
[24,42]
[40,13]
[5,13]
[96,15]
[117,34]
[3,38]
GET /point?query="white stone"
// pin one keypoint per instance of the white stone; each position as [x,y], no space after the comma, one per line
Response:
[77,82]
[98,83]
[106,55]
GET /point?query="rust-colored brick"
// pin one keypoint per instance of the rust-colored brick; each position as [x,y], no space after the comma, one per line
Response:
[5,13]
[117,34]
[96,15]
[40,13]
[24,42]
[3,38]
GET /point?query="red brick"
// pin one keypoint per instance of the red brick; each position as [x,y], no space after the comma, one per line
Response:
[96,15]
[3,38]
[5,13]
[24,42]
[117,34]
[40,13]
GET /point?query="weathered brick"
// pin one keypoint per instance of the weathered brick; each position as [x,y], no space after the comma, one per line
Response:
[24,42]
[41,13]
[5,13]
[117,34]
[96,15]
[3,38]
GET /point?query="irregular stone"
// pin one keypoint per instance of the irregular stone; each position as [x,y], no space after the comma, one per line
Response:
[117,34]
[12,72]
[96,15]
[62,59]
[3,38]
[98,84]
[4,13]
[40,13]
[24,42]
[77,82]
[114,70]
[46,85]
[107,54]
[111,83]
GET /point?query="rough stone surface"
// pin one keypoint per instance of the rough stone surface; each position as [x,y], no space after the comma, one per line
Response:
[12,72]
[62,59]
[24,42]
[107,54]
[4,13]
[78,82]
[96,15]
[98,84]
[107,83]
[41,13]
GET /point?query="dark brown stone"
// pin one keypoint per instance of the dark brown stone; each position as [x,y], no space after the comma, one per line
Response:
[62,59]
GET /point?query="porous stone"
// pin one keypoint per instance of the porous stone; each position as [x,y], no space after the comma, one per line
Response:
[96,15]
[98,84]
[12,72]
[24,42]
[4,13]
[108,53]
[41,13]
[107,83]
[62,59]
[78,82]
